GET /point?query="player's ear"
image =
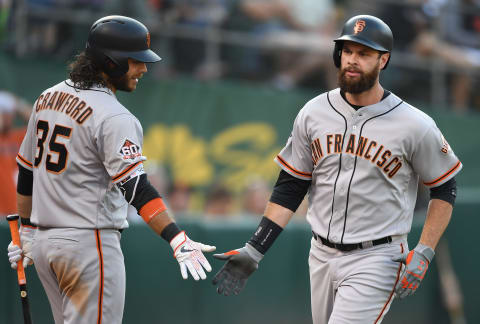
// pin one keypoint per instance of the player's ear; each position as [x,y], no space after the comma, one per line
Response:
[384,59]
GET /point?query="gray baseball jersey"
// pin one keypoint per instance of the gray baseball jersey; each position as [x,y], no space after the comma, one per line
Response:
[365,165]
[79,143]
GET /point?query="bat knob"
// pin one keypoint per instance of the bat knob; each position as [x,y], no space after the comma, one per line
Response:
[12,217]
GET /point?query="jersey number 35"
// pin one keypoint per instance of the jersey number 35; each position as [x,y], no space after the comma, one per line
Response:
[57,153]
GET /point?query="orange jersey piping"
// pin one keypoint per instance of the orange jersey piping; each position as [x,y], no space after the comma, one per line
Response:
[391,293]
[288,166]
[100,293]
[21,158]
[124,172]
[446,174]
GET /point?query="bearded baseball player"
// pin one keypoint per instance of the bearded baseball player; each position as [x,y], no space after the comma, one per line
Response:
[360,152]
[80,165]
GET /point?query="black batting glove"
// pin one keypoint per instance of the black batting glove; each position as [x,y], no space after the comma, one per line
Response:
[233,276]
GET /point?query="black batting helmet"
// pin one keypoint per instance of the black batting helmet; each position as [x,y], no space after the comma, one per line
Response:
[114,39]
[366,30]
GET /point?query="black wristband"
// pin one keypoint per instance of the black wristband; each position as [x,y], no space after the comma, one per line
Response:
[170,231]
[265,235]
[26,222]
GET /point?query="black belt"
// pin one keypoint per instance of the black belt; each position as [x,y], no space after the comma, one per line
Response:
[352,246]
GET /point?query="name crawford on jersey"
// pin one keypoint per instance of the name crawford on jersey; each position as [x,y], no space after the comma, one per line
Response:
[366,148]
[65,102]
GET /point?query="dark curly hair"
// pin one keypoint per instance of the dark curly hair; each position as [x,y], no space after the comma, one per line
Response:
[84,73]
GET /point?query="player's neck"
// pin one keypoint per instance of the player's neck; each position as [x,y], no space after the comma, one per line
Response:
[366,98]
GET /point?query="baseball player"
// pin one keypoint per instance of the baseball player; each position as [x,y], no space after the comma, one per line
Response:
[359,151]
[80,165]
[10,141]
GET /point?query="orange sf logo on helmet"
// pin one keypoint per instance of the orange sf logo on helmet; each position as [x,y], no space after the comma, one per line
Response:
[148,40]
[359,26]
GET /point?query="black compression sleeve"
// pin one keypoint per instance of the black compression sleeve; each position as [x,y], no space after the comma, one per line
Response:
[138,191]
[24,181]
[446,192]
[289,191]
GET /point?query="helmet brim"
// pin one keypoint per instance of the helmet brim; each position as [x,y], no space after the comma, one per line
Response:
[362,41]
[145,56]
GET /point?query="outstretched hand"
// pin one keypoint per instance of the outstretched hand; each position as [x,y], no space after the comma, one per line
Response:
[233,276]
[189,255]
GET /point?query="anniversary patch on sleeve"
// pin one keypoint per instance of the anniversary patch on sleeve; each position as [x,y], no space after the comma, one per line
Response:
[130,150]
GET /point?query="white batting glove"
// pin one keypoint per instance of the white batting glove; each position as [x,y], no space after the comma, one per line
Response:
[15,252]
[14,255]
[189,255]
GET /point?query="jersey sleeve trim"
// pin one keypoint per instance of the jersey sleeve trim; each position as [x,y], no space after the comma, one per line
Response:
[292,169]
[456,167]
[120,175]
[24,162]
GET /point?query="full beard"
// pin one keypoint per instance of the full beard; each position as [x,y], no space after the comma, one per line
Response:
[366,81]
[121,83]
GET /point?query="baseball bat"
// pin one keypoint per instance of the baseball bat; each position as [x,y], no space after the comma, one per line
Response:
[22,281]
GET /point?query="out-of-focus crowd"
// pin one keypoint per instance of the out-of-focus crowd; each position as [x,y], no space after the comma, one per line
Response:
[12,109]
[214,203]
[285,43]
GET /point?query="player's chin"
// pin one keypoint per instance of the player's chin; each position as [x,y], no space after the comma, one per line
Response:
[132,85]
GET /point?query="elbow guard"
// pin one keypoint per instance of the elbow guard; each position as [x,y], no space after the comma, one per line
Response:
[143,196]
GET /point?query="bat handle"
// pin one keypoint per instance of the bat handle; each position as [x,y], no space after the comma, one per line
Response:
[27,318]
[13,223]
[22,281]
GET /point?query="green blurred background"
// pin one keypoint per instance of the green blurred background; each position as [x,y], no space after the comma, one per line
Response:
[253,122]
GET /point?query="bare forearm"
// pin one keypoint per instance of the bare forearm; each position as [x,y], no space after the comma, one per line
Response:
[24,205]
[438,216]
[159,222]
[278,214]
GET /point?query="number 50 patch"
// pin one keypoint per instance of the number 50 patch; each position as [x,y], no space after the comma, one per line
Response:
[130,150]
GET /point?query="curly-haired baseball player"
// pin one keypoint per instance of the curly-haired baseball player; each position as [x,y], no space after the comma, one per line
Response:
[80,165]
[359,151]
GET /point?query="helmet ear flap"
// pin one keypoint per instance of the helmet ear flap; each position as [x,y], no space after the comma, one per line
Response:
[114,69]
[109,66]
[337,53]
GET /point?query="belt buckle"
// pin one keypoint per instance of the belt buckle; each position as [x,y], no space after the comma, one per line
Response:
[367,244]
